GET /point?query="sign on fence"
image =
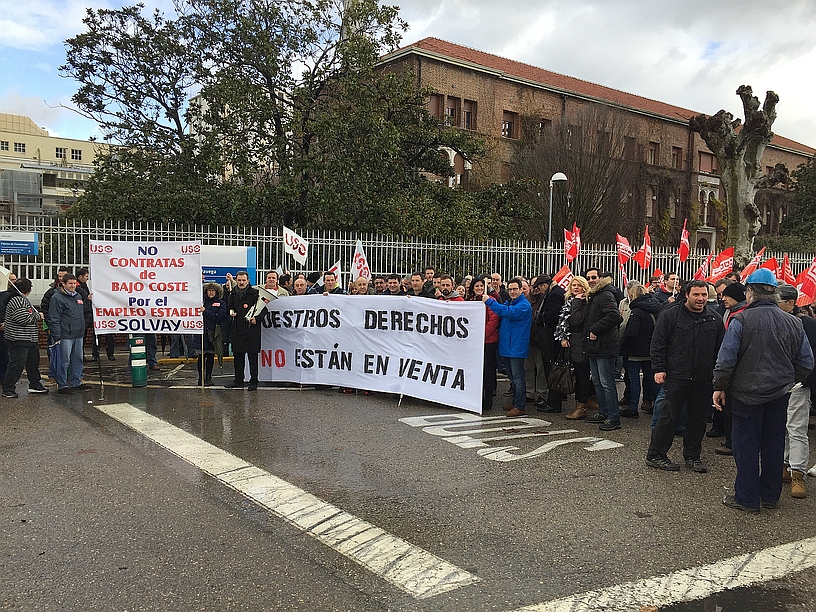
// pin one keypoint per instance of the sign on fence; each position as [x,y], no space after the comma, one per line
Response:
[217,261]
[146,287]
[19,243]
[414,346]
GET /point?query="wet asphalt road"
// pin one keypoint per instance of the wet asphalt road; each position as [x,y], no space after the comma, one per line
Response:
[96,517]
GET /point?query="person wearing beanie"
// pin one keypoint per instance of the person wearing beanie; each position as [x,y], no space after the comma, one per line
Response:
[733,298]
[764,353]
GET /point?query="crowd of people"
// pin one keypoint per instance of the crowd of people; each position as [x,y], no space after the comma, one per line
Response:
[735,354]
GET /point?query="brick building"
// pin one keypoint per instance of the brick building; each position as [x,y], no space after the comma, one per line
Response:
[497,98]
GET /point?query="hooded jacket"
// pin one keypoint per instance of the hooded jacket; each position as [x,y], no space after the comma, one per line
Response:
[66,315]
[602,320]
[637,337]
[685,346]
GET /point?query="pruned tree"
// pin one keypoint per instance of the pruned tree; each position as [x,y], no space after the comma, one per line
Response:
[589,148]
[739,148]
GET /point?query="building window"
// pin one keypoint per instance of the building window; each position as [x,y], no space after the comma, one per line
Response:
[452,111]
[604,143]
[509,124]
[436,105]
[49,180]
[629,148]
[19,147]
[3,145]
[653,154]
[677,158]
[60,153]
[469,115]
[76,154]
[708,163]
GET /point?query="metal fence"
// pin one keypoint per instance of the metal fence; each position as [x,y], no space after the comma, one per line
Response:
[65,243]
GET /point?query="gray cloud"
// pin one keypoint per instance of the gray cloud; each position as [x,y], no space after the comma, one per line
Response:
[692,54]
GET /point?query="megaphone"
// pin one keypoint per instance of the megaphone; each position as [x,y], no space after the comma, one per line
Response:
[264,297]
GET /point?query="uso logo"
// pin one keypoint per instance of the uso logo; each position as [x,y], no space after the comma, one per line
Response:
[101,248]
[190,248]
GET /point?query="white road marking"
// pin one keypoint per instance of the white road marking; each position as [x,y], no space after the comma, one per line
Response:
[690,584]
[408,567]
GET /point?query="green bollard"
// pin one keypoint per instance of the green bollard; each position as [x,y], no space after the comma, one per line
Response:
[138,360]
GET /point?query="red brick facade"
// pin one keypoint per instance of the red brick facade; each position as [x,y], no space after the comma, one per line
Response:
[491,95]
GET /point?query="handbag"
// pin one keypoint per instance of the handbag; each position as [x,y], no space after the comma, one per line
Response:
[561,377]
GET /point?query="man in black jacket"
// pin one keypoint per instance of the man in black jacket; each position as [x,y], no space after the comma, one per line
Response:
[546,311]
[245,333]
[684,349]
[602,348]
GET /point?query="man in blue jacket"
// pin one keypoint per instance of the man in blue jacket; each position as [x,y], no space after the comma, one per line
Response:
[765,352]
[514,340]
[66,319]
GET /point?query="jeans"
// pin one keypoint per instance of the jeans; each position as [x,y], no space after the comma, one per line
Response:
[150,349]
[797,449]
[759,438]
[535,374]
[659,402]
[633,369]
[603,376]
[71,349]
[515,370]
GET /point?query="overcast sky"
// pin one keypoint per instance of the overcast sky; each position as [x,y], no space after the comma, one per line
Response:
[692,54]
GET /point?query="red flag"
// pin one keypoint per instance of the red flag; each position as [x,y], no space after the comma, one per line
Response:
[772,265]
[623,275]
[644,255]
[702,271]
[624,250]
[572,242]
[684,249]
[807,292]
[753,266]
[722,265]
[786,274]
[661,277]
[563,277]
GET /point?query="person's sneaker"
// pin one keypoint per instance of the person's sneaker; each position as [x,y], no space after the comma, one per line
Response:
[38,388]
[731,502]
[630,414]
[608,425]
[724,450]
[10,394]
[696,465]
[596,418]
[515,412]
[769,505]
[65,391]
[83,387]
[798,488]
[647,407]
[662,463]
[715,432]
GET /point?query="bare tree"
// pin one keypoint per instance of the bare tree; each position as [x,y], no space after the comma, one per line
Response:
[590,148]
[739,152]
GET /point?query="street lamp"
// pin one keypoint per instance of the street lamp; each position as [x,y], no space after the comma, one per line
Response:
[558,176]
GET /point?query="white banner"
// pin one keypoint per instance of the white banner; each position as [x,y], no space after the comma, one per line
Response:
[424,348]
[295,246]
[146,287]
[359,265]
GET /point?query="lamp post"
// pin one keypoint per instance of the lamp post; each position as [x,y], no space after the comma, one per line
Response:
[557,177]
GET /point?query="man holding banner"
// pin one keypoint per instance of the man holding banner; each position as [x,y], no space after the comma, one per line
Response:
[246,332]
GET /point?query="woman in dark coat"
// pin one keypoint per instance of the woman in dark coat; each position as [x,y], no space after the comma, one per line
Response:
[570,332]
[214,314]
[635,345]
